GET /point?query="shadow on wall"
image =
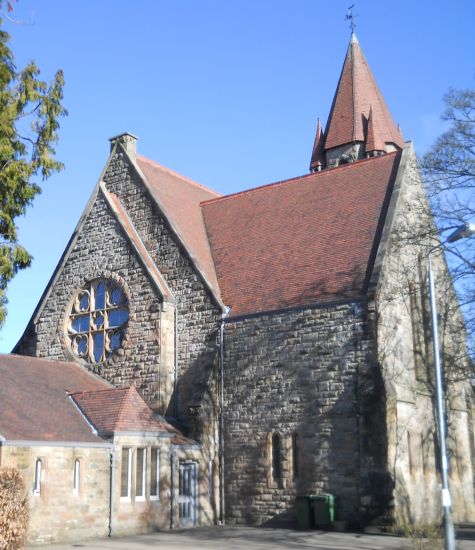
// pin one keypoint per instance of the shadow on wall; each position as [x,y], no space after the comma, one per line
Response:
[312,373]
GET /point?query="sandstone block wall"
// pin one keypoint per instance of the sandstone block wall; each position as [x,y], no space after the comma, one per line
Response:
[197,317]
[406,356]
[296,372]
[57,514]
[101,250]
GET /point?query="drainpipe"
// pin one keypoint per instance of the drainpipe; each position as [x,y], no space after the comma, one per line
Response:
[175,373]
[222,518]
[172,488]
[111,490]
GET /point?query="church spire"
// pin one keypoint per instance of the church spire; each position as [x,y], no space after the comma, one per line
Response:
[316,161]
[357,92]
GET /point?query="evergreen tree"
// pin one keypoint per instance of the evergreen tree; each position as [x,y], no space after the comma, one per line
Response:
[29,113]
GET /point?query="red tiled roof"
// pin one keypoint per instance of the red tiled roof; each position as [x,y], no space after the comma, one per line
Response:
[180,200]
[118,410]
[357,91]
[374,142]
[123,410]
[300,241]
[34,403]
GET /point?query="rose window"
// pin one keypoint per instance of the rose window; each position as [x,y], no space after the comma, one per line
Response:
[98,320]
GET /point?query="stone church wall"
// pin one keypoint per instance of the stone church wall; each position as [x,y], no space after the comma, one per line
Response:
[406,355]
[101,250]
[299,373]
[197,317]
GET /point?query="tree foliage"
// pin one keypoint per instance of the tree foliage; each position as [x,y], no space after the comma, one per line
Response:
[14,512]
[29,120]
[449,172]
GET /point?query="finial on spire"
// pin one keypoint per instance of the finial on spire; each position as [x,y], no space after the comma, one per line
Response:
[350,16]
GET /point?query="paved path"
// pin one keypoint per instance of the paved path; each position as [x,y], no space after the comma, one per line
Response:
[252,538]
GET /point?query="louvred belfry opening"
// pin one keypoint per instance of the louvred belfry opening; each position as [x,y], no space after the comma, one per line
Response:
[359,122]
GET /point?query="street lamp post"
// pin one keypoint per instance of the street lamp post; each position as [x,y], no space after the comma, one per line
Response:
[461,232]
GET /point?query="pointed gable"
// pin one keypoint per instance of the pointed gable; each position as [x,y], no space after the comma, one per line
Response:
[356,93]
[118,410]
[179,198]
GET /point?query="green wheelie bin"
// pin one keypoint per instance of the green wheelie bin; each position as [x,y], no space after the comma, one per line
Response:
[323,510]
[304,513]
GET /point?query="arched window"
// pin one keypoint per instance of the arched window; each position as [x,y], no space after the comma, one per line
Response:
[98,320]
[37,483]
[295,456]
[76,474]
[276,457]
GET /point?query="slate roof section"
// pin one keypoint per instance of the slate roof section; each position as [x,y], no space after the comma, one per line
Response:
[34,402]
[302,241]
[356,93]
[180,199]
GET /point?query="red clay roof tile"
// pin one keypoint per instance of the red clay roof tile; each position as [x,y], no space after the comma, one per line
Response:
[180,200]
[300,241]
[118,410]
[317,153]
[34,402]
[374,142]
[356,92]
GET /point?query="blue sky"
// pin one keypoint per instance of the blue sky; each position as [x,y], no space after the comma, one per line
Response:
[226,92]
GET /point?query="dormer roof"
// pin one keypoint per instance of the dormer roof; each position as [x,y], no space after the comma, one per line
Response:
[374,142]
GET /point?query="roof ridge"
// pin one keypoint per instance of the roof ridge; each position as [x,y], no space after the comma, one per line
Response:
[43,359]
[122,405]
[99,391]
[341,167]
[178,175]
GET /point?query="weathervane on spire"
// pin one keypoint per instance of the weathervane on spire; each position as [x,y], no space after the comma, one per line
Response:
[351,18]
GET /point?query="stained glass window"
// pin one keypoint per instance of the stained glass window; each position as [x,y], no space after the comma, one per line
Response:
[98,320]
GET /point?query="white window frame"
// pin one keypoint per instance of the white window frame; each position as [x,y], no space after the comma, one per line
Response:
[127,497]
[141,471]
[155,450]
[37,481]
[76,476]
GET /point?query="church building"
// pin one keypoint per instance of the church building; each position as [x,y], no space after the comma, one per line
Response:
[279,336]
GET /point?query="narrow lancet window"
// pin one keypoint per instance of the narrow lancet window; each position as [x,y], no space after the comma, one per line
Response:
[76,474]
[276,457]
[37,483]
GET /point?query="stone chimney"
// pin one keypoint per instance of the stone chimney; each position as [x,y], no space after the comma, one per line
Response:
[128,142]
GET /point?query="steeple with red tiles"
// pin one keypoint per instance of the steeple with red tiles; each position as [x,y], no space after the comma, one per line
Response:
[317,160]
[359,123]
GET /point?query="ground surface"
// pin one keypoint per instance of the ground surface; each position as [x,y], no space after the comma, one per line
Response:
[254,538]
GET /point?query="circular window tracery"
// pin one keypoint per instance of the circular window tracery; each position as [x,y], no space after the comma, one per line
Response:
[97,320]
